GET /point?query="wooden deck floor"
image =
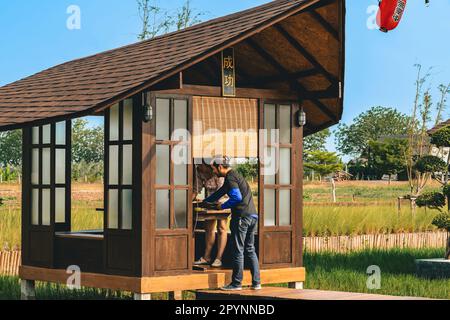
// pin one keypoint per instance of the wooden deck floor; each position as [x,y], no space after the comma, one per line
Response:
[275,293]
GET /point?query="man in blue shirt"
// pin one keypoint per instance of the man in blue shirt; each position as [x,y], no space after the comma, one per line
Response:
[244,221]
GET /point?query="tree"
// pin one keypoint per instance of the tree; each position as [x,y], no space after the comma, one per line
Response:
[387,157]
[354,139]
[87,143]
[436,200]
[154,19]
[323,162]
[11,148]
[187,17]
[422,165]
[358,168]
[249,170]
[157,21]
[315,142]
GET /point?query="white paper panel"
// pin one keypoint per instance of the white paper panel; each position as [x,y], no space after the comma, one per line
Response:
[162,164]
[61,133]
[46,131]
[127,170]
[127,209]
[180,208]
[269,207]
[35,135]
[162,119]
[113,165]
[35,166]
[285,166]
[285,207]
[60,205]
[35,207]
[113,209]
[46,166]
[60,166]
[114,123]
[128,119]
[285,124]
[162,209]
[46,207]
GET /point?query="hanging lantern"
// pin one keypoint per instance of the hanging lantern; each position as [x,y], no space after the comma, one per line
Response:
[390,14]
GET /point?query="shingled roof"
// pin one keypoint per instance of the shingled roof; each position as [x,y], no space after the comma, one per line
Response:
[82,86]
[439,126]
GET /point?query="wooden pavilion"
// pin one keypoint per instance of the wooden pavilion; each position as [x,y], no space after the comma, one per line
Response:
[263,68]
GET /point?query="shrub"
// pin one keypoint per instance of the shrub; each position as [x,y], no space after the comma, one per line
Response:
[430,164]
[446,191]
[433,200]
[442,221]
[441,138]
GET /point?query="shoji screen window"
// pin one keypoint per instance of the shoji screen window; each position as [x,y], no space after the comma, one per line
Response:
[119,173]
[172,163]
[278,152]
[50,174]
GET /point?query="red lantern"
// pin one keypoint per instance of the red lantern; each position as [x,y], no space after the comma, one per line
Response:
[390,14]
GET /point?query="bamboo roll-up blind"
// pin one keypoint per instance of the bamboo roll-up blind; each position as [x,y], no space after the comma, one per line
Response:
[225,126]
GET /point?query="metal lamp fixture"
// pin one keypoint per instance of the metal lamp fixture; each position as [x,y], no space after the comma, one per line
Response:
[301,118]
[148,113]
[147,108]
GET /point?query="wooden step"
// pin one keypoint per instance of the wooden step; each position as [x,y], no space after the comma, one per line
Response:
[279,293]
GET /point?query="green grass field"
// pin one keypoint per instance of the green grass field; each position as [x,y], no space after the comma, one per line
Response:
[347,272]
[356,220]
[325,271]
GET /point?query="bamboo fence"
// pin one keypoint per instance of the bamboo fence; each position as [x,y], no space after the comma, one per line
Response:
[345,244]
[9,263]
[10,260]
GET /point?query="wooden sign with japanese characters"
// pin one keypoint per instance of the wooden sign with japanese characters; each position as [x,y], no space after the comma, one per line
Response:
[228,73]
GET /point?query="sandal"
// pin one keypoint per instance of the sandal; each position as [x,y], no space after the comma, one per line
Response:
[201,262]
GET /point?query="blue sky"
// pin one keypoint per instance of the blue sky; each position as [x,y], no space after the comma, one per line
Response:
[379,67]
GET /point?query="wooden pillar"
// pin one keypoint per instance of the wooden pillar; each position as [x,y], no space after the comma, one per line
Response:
[176,295]
[142,296]
[27,290]
[296,285]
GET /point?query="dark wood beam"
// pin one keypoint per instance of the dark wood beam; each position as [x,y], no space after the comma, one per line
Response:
[294,83]
[329,93]
[325,24]
[174,82]
[311,129]
[316,6]
[281,78]
[250,93]
[308,56]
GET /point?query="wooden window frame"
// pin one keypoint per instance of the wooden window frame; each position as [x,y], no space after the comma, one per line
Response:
[277,186]
[171,187]
[52,186]
[120,187]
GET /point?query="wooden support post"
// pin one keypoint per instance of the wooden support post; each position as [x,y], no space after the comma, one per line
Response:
[296,285]
[142,296]
[176,295]
[27,290]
